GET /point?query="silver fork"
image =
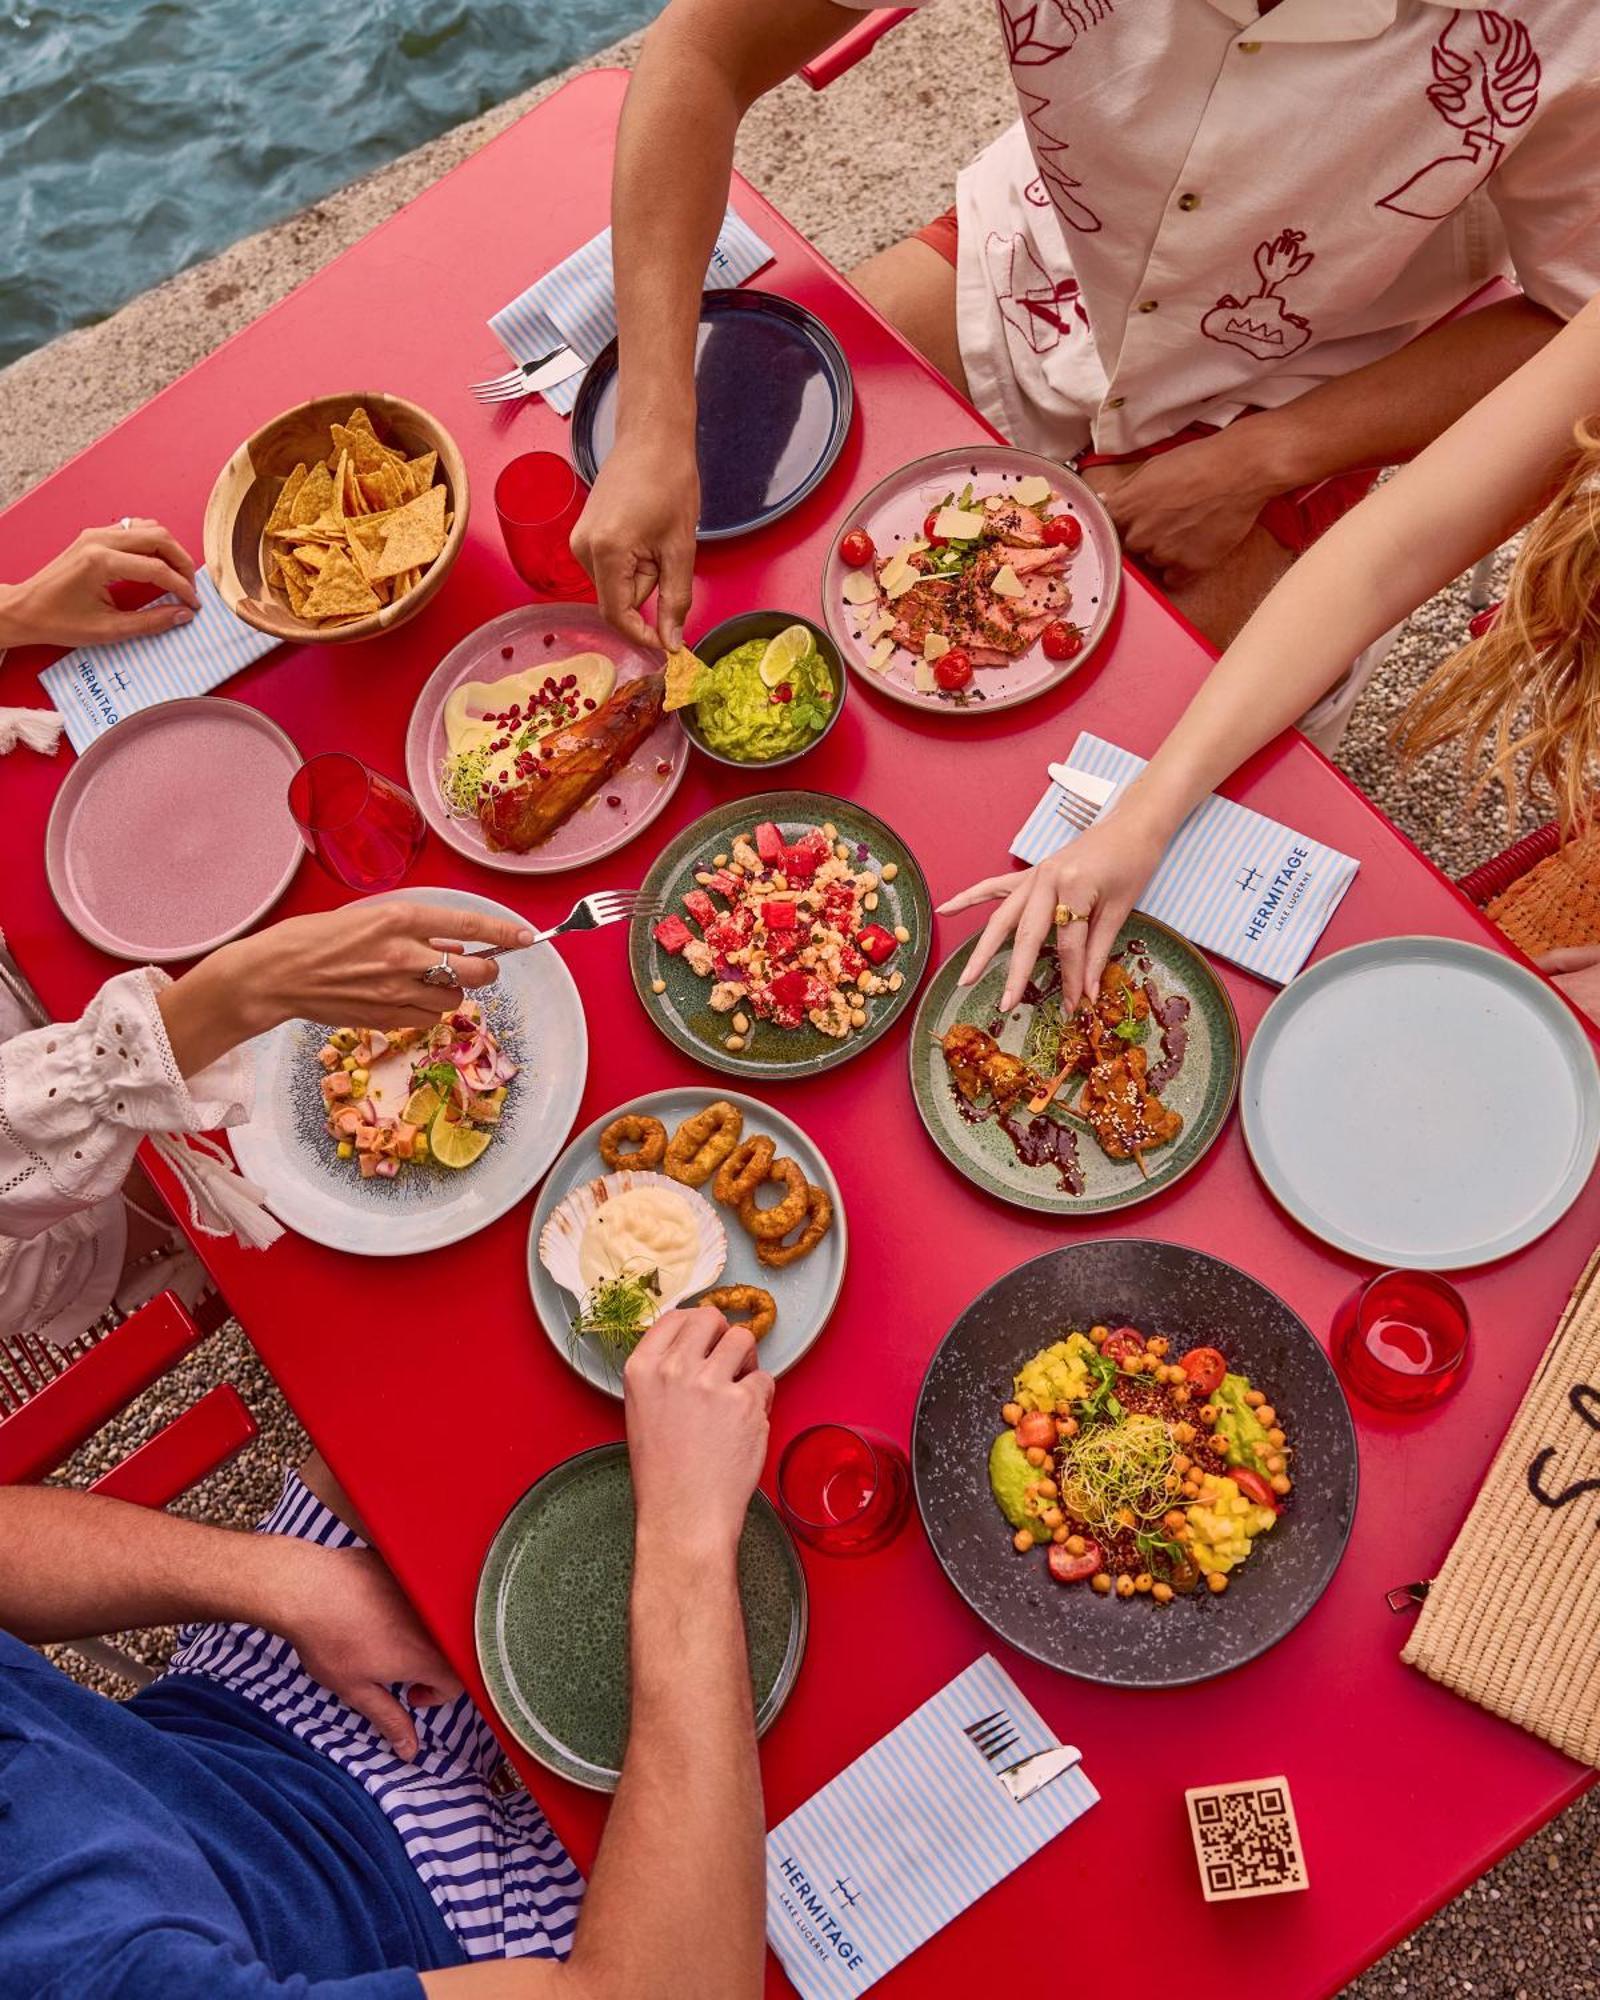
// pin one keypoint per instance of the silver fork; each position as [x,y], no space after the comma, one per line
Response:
[992,1734]
[1078,812]
[590,913]
[517,381]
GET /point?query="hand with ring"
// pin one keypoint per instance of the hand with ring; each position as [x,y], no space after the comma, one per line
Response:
[1083,895]
[69,601]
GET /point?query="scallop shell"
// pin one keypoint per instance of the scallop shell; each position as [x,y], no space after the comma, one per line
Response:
[562,1234]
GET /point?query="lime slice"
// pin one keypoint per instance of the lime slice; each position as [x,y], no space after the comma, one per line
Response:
[422,1106]
[457,1145]
[784,654]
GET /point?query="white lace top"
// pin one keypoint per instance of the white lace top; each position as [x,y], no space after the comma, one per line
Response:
[75,1099]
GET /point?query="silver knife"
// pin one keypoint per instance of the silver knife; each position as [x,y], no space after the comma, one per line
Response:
[551,369]
[1033,1773]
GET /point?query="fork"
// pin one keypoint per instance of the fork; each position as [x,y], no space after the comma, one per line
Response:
[1078,812]
[515,382]
[992,1734]
[589,913]
[994,1737]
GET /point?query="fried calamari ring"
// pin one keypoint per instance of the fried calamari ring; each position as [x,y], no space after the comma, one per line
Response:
[819,1220]
[766,1225]
[758,1309]
[647,1137]
[743,1171]
[703,1142]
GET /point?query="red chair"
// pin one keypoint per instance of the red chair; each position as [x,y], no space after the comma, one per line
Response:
[1483,884]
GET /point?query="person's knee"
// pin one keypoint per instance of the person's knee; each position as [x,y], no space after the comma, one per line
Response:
[1218,602]
[915,290]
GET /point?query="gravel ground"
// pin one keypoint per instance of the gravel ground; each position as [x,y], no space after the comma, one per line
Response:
[854,181]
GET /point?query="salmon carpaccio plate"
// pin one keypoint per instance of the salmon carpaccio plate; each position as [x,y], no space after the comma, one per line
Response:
[956,598]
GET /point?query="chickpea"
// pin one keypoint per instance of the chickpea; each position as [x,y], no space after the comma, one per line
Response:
[1182,1463]
[1076,1545]
[889,871]
[1100,1583]
[1032,1504]
[1036,1455]
[870,900]
[1053,1517]
[1267,1416]
[1172,1521]
[867,880]
[902,935]
[896,981]
[1099,1335]
[733,1042]
[841,849]
[1022,1541]
[858,1017]
[1134,1365]
[1254,1398]
[1161,1592]
[658,986]
[1012,1412]
[1275,1463]
[1276,1438]
[1180,1393]
[1216,1583]
[1124,1586]
[1048,1489]
[1058,1536]
[1127,1518]
[1172,1483]
[702,876]
[1208,1414]
[1068,1427]
[1184,1432]
[829,830]
[1157,1346]
[1144,1583]
[719,861]
[1281,1483]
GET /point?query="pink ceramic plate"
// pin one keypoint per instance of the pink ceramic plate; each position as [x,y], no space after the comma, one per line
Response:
[171,833]
[893,513]
[531,633]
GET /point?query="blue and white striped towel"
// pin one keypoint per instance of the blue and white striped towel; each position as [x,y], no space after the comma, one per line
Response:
[903,1840]
[575,304]
[1231,881]
[97,686]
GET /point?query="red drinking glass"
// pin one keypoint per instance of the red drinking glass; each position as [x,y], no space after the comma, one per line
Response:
[364,829]
[843,1490]
[1400,1340]
[539,498]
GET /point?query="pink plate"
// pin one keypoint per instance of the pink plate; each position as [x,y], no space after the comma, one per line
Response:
[171,833]
[893,513]
[534,632]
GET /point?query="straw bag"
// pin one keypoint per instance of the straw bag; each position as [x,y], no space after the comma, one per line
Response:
[1512,1620]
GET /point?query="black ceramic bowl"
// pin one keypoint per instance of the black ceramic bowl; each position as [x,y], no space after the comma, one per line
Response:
[1194,1300]
[732,632]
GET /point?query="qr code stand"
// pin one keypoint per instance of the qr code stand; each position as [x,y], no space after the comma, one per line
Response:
[1246,1840]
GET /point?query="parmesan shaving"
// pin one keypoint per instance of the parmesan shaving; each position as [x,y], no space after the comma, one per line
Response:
[935,646]
[1006,583]
[859,588]
[1033,491]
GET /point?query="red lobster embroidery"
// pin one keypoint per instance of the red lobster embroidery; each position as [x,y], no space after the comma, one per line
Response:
[1037,31]
[1262,324]
[1030,300]
[1491,88]
[1054,184]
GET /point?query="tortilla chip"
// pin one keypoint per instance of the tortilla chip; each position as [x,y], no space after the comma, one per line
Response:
[314,497]
[421,471]
[358,420]
[683,676]
[385,489]
[415,534]
[360,447]
[296,580]
[408,579]
[341,590]
[279,517]
[312,556]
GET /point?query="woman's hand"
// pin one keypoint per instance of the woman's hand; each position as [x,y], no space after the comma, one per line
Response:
[1099,878]
[637,534]
[69,602]
[360,964]
[1576,970]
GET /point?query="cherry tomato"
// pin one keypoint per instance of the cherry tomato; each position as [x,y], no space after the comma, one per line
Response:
[1253,1487]
[935,541]
[1060,640]
[1205,1369]
[1065,531]
[1074,1569]
[856,548]
[1123,1345]
[1038,1427]
[953,670]
[783,692]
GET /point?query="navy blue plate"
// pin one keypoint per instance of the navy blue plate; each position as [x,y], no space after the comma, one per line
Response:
[775,401]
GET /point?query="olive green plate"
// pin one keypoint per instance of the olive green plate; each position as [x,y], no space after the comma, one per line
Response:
[1203,1090]
[683,1012]
[552,1615]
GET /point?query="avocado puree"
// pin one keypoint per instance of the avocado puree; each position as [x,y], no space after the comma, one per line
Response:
[1009,1477]
[1243,1435]
[741,717]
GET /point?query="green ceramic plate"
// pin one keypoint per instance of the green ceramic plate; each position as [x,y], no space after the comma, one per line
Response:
[552,1615]
[683,1012]
[1203,1089]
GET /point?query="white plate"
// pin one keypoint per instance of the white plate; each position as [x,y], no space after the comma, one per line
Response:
[804,1293]
[1423,1103]
[534,1009]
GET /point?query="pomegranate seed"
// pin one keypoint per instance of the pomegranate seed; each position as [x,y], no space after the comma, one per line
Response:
[505,652]
[614,799]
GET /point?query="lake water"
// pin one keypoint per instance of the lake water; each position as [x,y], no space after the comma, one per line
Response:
[137,136]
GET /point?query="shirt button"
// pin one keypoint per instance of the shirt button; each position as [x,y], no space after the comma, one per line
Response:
[1147,305]
[1115,402]
[1248,48]
[1188,201]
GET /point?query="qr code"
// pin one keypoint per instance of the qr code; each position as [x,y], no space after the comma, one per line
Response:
[1245,1839]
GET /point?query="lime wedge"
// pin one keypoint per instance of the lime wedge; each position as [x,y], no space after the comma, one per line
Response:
[784,654]
[422,1106]
[457,1145]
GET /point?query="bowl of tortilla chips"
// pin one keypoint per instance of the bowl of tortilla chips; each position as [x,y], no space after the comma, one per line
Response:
[338,520]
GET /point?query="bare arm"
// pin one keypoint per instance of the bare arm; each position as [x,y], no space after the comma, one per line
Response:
[703,64]
[1484,477]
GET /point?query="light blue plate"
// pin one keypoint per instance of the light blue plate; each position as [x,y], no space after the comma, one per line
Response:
[1422,1103]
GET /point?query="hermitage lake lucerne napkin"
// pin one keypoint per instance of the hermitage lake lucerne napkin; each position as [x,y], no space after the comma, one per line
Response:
[575,304]
[1231,880]
[903,1840]
[96,686]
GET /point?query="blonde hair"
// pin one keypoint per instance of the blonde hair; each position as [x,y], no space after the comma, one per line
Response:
[1530,687]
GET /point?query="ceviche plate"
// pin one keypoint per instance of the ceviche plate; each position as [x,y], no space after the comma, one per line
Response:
[893,515]
[537,1019]
[1191,1299]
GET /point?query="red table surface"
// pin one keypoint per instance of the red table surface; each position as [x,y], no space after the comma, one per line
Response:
[428,1383]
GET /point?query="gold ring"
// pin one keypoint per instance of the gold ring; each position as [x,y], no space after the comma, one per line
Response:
[1066,915]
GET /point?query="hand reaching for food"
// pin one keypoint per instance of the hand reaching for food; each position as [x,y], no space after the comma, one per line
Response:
[69,601]
[637,535]
[1083,894]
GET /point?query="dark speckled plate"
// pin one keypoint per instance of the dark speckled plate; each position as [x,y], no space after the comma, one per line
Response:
[683,1012]
[552,1615]
[1194,1300]
[1202,1090]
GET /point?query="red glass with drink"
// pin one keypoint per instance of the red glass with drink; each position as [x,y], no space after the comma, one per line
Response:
[845,1491]
[1400,1341]
[363,828]
[538,498]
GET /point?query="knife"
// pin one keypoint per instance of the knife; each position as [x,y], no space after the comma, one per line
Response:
[551,369]
[1039,1770]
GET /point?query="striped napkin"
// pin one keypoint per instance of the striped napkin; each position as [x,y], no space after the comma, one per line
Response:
[575,304]
[1231,880]
[917,1828]
[98,685]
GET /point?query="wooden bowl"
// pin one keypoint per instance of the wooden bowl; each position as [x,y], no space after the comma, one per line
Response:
[247,488]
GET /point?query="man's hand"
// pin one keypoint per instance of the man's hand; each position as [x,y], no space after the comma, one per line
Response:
[637,533]
[697,1408]
[69,601]
[1185,511]
[1576,970]
[355,1633]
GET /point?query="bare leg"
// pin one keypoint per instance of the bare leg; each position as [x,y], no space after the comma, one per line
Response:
[915,290]
[1222,599]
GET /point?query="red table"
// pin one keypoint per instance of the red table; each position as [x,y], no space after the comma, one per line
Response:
[435,1395]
